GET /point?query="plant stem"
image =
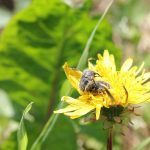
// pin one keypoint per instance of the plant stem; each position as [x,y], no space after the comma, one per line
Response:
[109,139]
[85,53]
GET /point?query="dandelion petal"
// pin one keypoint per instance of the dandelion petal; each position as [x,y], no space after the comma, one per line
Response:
[127,64]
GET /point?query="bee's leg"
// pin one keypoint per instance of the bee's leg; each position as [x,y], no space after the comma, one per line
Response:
[101,89]
[88,86]
[105,84]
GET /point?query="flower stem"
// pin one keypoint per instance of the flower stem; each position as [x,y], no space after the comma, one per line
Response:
[109,139]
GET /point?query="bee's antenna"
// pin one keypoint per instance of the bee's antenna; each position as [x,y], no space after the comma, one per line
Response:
[109,94]
[97,74]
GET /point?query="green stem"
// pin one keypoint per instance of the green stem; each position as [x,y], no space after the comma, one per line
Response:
[109,139]
[82,61]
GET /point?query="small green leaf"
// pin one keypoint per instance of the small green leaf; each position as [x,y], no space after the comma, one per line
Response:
[22,134]
[27,109]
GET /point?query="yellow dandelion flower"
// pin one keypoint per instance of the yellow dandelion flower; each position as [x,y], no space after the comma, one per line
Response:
[110,90]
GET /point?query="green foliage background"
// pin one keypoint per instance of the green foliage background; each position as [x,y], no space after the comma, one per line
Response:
[33,48]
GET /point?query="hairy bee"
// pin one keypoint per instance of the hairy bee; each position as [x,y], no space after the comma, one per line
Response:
[88,84]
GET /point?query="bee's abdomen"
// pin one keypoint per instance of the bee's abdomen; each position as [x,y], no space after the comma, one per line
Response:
[87,85]
[101,85]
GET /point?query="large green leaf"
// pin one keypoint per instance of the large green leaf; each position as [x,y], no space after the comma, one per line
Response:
[35,45]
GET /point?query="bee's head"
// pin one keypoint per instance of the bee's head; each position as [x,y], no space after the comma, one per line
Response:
[90,74]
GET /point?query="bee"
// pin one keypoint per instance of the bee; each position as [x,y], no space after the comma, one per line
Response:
[88,84]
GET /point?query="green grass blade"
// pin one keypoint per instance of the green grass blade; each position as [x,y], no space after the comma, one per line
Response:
[143,144]
[85,53]
[83,59]
[22,134]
